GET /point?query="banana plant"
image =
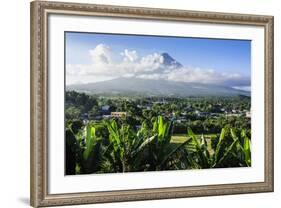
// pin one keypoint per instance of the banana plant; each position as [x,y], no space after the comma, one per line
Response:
[123,145]
[72,152]
[158,151]
[93,151]
[242,148]
[230,151]
[197,152]
[150,148]
[85,149]
[72,146]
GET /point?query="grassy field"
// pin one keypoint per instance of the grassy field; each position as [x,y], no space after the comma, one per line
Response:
[180,138]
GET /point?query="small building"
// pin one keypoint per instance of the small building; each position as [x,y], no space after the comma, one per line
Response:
[97,117]
[202,114]
[84,116]
[105,108]
[248,114]
[106,116]
[147,107]
[233,115]
[118,114]
[160,102]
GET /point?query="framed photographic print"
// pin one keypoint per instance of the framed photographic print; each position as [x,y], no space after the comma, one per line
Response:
[145,103]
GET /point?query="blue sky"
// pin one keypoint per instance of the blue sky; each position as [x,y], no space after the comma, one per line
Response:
[221,55]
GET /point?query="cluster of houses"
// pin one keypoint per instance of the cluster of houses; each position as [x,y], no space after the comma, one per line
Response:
[105,113]
[232,113]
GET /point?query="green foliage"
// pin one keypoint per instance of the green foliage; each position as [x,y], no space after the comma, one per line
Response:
[161,152]
[150,148]
[71,150]
[229,151]
[72,112]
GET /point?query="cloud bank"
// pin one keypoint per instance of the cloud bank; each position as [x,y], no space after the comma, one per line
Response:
[107,65]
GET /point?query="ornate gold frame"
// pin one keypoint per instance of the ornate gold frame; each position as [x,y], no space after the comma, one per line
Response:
[39,103]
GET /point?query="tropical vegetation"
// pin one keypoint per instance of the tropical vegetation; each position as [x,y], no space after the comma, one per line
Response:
[114,146]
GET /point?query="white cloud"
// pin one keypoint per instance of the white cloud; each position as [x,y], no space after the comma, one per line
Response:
[105,63]
[245,88]
[130,56]
[101,54]
[198,75]
[108,65]
[205,76]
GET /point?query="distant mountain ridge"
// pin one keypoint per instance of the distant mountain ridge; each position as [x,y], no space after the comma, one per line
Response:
[149,87]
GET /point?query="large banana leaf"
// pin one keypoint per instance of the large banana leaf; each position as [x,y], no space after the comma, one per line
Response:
[144,144]
[226,153]
[200,150]
[247,150]
[90,141]
[172,152]
[219,146]
[114,135]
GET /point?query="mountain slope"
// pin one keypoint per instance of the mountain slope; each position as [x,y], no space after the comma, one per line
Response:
[148,87]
